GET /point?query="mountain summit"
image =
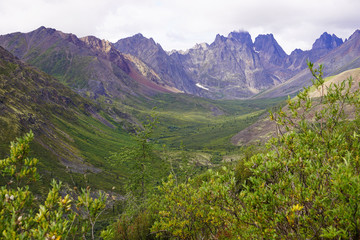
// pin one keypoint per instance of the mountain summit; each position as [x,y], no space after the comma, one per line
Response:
[327,41]
[154,56]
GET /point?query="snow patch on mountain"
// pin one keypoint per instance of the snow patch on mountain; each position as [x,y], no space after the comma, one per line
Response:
[201,86]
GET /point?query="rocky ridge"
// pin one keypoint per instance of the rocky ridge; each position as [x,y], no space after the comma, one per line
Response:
[91,66]
[231,67]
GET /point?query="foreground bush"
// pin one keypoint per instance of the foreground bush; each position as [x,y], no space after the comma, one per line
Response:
[306,185]
[55,218]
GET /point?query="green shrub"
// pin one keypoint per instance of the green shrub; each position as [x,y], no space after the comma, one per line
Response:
[306,185]
[21,217]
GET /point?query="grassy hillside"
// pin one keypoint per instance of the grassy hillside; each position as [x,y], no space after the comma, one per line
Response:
[71,134]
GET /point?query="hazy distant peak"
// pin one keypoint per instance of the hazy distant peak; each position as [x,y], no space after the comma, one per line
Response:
[297,51]
[201,46]
[139,35]
[241,36]
[220,38]
[327,41]
[356,34]
[267,43]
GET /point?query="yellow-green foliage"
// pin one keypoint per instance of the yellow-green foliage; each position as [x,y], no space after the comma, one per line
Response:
[53,219]
[306,185]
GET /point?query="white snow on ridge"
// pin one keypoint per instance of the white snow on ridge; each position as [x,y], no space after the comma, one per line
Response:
[201,86]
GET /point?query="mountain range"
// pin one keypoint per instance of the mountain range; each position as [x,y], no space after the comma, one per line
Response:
[232,66]
[229,68]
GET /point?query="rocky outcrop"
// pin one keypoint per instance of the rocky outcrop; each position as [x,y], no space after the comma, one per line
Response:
[270,51]
[148,51]
[327,41]
[230,67]
[273,58]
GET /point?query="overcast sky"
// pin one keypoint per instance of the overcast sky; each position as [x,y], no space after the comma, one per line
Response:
[180,24]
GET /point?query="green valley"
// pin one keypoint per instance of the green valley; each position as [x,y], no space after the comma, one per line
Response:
[127,141]
[76,135]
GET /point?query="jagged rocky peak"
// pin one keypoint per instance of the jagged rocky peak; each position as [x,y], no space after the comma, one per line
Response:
[137,38]
[219,38]
[44,32]
[203,46]
[267,43]
[198,46]
[140,38]
[327,41]
[98,44]
[136,44]
[241,36]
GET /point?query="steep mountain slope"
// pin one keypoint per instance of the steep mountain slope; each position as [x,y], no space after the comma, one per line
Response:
[72,135]
[336,60]
[322,46]
[89,65]
[228,68]
[273,58]
[153,54]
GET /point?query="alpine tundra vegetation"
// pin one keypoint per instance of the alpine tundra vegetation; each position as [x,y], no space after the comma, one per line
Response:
[127,141]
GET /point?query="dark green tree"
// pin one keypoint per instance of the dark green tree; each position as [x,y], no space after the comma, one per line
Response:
[138,159]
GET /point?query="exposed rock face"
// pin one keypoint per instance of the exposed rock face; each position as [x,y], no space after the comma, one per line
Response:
[273,58]
[234,66]
[86,64]
[153,55]
[341,58]
[269,50]
[230,67]
[327,41]
[322,46]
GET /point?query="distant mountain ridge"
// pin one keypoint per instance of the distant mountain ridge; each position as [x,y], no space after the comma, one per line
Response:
[231,67]
[89,65]
[337,59]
